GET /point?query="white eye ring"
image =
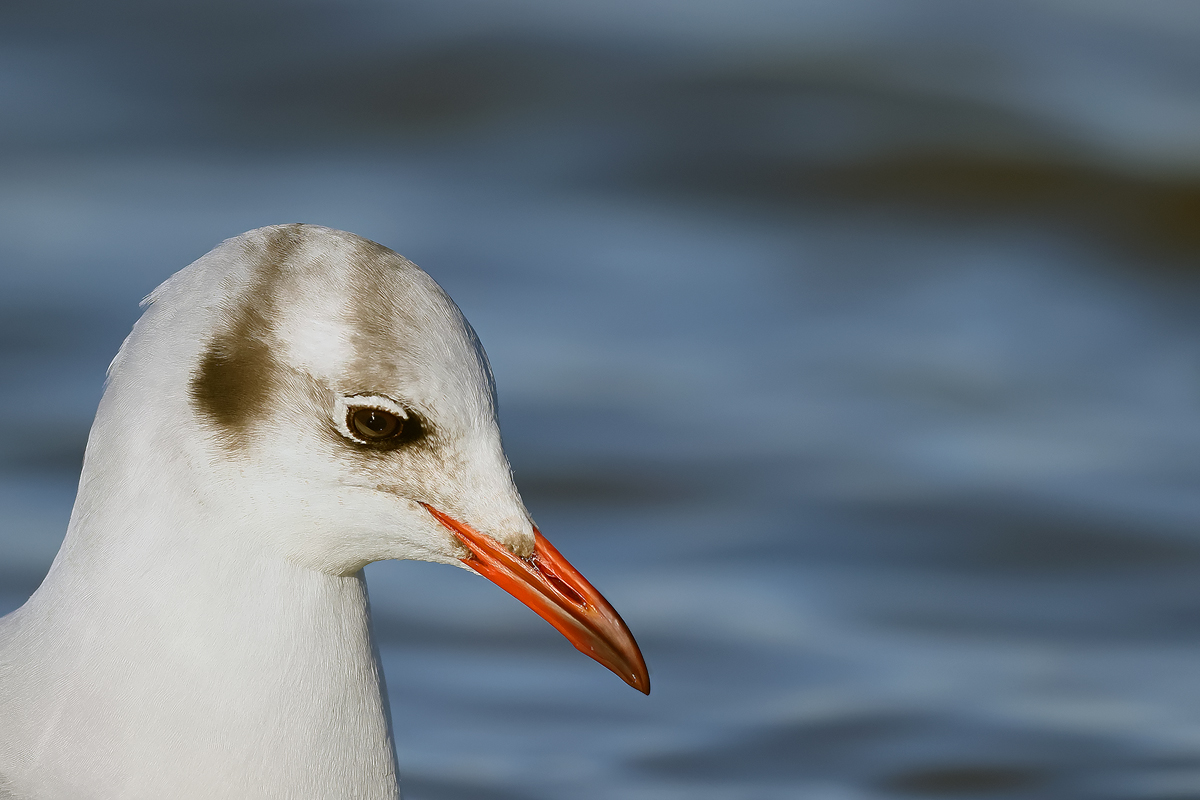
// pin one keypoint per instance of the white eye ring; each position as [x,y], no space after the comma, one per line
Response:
[343,407]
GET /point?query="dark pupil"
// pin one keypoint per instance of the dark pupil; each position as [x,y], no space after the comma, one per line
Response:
[371,423]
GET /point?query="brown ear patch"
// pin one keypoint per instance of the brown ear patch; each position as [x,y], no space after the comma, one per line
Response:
[238,374]
[235,378]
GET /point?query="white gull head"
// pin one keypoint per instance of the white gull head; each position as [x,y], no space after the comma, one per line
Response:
[294,405]
[306,326]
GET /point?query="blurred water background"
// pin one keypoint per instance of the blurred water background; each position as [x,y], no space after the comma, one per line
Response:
[851,348]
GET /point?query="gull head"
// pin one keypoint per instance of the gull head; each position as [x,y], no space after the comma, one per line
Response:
[313,396]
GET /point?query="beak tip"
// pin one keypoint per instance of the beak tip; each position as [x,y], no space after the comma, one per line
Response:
[633,672]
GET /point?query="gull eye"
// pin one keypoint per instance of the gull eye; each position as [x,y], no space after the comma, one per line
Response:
[376,421]
[374,424]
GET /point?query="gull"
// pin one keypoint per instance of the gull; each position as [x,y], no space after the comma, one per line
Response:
[296,404]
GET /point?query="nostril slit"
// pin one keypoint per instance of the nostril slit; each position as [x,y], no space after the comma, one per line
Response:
[565,589]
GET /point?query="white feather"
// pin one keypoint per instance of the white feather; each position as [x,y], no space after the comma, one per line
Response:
[204,631]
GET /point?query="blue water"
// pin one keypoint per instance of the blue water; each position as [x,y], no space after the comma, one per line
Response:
[898,495]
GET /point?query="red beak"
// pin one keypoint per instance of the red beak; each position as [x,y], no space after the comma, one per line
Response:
[548,584]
